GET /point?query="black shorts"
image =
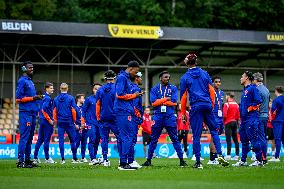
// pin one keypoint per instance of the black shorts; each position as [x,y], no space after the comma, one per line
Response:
[182,133]
[269,134]
[146,138]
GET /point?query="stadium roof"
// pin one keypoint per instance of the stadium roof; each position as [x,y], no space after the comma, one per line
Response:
[155,47]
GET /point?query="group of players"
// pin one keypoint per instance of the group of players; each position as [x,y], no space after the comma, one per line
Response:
[117,106]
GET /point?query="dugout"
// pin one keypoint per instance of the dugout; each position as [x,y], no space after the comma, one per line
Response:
[78,53]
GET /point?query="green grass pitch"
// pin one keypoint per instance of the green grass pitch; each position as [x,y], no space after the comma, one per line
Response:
[165,173]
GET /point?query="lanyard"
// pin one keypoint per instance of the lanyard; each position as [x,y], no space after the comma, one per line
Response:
[218,100]
[164,91]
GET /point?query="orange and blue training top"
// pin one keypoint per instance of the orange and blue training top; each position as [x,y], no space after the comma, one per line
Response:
[47,108]
[89,110]
[250,102]
[64,108]
[24,95]
[277,109]
[104,102]
[123,102]
[196,83]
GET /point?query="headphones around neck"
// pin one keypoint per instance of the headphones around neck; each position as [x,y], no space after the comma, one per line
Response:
[24,69]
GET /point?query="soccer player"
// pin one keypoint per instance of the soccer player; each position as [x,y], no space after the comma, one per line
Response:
[46,125]
[81,130]
[183,128]
[92,125]
[231,117]
[26,97]
[218,113]
[123,107]
[269,133]
[263,109]
[105,115]
[146,129]
[164,98]
[137,118]
[249,128]
[278,120]
[64,114]
[198,85]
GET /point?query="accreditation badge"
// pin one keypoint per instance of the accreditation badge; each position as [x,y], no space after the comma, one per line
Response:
[163,109]
[220,114]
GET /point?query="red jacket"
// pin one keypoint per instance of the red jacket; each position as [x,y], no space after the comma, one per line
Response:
[147,124]
[269,123]
[231,111]
[180,124]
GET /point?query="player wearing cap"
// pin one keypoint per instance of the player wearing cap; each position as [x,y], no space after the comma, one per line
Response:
[28,109]
[249,128]
[197,84]
[64,114]
[164,97]
[105,115]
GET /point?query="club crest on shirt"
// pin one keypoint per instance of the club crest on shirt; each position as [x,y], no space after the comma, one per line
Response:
[129,118]
[153,123]
[246,92]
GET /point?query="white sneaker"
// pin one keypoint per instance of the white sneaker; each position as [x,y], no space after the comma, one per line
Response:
[135,164]
[75,161]
[101,160]
[106,163]
[273,159]
[94,162]
[214,162]
[235,158]
[36,161]
[228,157]
[256,164]
[240,164]
[184,155]
[253,158]
[84,160]
[50,161]
[194,158]
[63,162]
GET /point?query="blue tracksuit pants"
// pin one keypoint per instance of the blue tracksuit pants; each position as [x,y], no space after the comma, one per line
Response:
[94,140]
[198,115]
[44,135]
[249,133]
[27,123]
[262,126]
[81,138]
[134,129]
[168,122]
[105,129]
[69,128]
[278,131]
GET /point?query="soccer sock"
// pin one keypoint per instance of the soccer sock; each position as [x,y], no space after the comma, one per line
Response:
[211,156]
[215,156]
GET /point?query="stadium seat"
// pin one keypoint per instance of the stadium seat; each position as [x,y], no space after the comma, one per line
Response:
[7,126]
[4,111]
[7,100]
[2,121]
[2,116]
[8,121]
[1,126]
[6,106]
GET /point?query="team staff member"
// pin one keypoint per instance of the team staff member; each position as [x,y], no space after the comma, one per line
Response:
[263,109]
[105,115]
[123,107]
[81,130]
[269,133]
[278,120]
[183,128]
[164,98]
[137,119]
[64,114]
[46,125]
[218,113]
[28,109]
[198,85]
[146,129]
[231,117]
[249,128]
[92,125]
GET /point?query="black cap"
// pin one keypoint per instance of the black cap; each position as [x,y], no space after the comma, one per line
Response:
[109,75]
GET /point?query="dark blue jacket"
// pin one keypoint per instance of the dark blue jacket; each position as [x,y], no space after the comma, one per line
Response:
[64,108]
[123,104]
[137,104]
[198,85]
[47,108]
[250,103]
[158,96]
[78,115]
[278,108]
[105,101]
[89,110]
[24,95]
[219,96]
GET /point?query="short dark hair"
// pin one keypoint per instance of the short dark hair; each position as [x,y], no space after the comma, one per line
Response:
[279,89]
[162,73]
[133,63]
[78,96]
[25,63]
[94,84]
[249,74]
[231,94]
[215,77]
[109,75]
[47,85]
